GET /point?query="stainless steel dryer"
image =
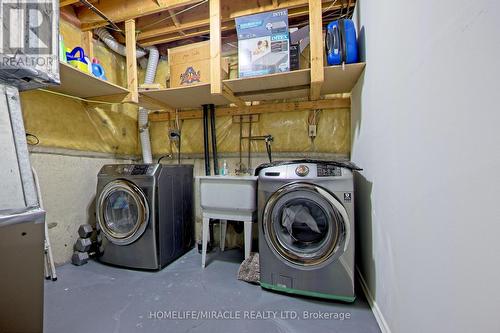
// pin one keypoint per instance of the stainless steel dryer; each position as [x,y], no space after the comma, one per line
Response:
[306,228]
[145,214]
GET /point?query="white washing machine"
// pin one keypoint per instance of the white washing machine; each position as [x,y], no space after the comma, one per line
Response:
[145,214]
[306,228]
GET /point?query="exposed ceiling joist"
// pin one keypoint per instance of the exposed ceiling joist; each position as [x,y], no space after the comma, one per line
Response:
[200,27]
[64,3]
[119,11]
[196,25]
[122,10]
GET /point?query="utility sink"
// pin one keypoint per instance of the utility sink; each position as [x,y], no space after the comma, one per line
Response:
[228,193]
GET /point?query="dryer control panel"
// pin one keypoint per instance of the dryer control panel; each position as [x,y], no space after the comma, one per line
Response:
[140,169]
[328,170]
[129,169]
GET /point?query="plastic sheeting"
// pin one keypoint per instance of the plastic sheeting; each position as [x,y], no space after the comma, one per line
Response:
[289,129]
[65,123]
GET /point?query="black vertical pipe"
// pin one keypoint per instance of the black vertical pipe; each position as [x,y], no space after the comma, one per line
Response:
[207,167]
[214,139]
[205,139]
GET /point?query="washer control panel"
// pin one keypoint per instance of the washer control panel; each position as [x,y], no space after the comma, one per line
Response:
[328,170]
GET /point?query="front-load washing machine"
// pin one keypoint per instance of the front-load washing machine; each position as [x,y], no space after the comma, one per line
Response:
[145,214]
[306,228]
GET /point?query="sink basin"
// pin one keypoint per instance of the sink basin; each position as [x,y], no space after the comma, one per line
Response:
[228,193]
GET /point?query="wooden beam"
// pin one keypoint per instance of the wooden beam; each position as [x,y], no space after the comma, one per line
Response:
[153,104]
[175,20]
[189,22]
[228,94]
[324,104]
[166,30]
[87,44]
[68,14]
[123,10]
[132,83]
[63,3]
[215,47]
[188,34]
[316,46]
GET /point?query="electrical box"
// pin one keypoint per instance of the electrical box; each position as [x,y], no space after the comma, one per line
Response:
[29,50]
[312,131]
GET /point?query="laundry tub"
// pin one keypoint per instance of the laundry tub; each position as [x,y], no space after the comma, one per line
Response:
[228,193]
[228,198]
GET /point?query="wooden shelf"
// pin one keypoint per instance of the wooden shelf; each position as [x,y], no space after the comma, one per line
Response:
[77,83]
[186,97]
[273,86]
[295,84]
[339,80]
[288,85]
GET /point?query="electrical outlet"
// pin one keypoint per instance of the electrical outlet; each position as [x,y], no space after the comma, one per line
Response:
[312,131]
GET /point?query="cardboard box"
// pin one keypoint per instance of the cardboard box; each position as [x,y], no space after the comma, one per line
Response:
[263,43]
[190,64]
[299,48]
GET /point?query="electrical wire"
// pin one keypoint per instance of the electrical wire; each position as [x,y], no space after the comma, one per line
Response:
[337,13]
[170,16]
[102,15]
[81,99]
[328,8]
[162,157]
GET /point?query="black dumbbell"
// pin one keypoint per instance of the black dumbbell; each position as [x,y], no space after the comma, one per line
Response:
[81,258]
[83,244]
[85,230]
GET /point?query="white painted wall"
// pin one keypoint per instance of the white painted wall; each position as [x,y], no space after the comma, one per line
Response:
[425,120]
[68,186]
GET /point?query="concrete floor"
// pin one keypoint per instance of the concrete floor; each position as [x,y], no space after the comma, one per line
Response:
[101,298]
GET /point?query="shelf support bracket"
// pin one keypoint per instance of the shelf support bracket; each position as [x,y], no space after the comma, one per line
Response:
[130,43]
[229,95]
[316,47]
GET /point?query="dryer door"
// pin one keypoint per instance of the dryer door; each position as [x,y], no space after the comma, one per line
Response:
[122,212]
[306,225]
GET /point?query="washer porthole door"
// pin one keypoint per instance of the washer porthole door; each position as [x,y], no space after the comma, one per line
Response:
[305,225]
[122,212]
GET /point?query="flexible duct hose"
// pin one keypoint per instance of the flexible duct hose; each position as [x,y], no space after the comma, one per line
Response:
[154,56]
[144,135]
[111,42]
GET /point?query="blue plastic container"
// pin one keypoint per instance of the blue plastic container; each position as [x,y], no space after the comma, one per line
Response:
[341,42]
